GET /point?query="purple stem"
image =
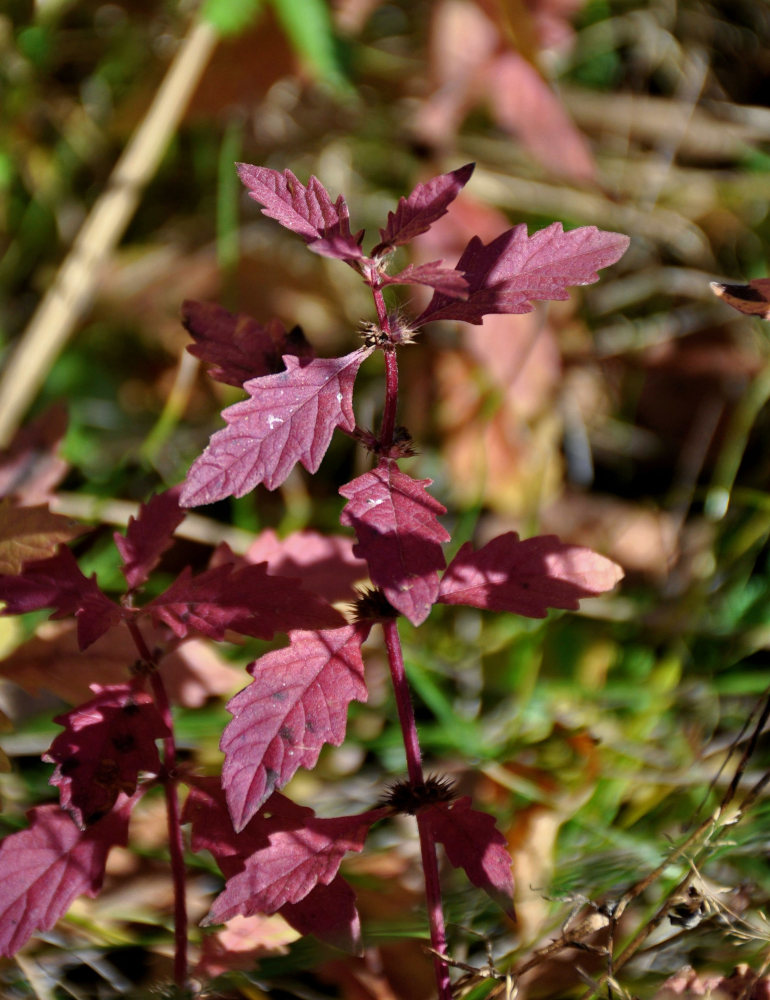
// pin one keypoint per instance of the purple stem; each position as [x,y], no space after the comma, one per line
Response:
[391,376]
[427,842]
[176,845]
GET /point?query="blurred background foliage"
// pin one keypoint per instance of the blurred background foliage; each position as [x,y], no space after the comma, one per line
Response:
[631,418]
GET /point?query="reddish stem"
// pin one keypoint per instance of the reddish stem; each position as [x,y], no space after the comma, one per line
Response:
[391,376]
[427,842]
[175,842]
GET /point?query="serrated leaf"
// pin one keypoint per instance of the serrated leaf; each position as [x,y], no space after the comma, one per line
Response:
[328,911]
[30,533]
[307,211]
[297,701]
[247,600]
[236,347]
[297,858]
[106,743]
[515,269]
[149,535]
[50,863]
[473,842]
[58,583]
[526,577]
[290,418]
[396,522]
[446,280]
[416,213]
[212,828]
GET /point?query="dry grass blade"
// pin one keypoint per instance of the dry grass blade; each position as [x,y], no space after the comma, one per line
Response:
[72,291]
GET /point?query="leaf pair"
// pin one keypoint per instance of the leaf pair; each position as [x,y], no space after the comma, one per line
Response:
[399,535]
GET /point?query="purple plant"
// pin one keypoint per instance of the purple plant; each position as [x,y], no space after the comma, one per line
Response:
[277,856]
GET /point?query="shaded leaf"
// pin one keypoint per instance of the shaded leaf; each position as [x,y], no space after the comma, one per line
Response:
[328,911]
[30,533]
[446,280]
[473,842]
[512,271]
[58,583]
[399,535]
[298,858]
[526,577]
[236,347]
[324,563]
[297,701]
[307,211]
[290,418]
[212,828]
[149,535]
[106,743]
[416,213]
[752,299]
[246,600]
[50,863]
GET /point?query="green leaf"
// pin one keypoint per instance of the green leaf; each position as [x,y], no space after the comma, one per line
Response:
[308,27]
[230,17]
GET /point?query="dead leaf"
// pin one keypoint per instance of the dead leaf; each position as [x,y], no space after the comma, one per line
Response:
[28,533]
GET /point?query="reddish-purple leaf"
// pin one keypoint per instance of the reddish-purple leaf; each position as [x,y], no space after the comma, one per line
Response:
[329,912]
[427,203]
[342,246]
[290,418]
[399,535]
[149,535]
[58,583]
[50,863]
[235,347]
[325,563]
[297,859]
[752,299]
[447,280]
[106,743]
[308,211]
[213,830]
[473,842]
[247,600]
[297,701]
[512,271]
[526,577]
